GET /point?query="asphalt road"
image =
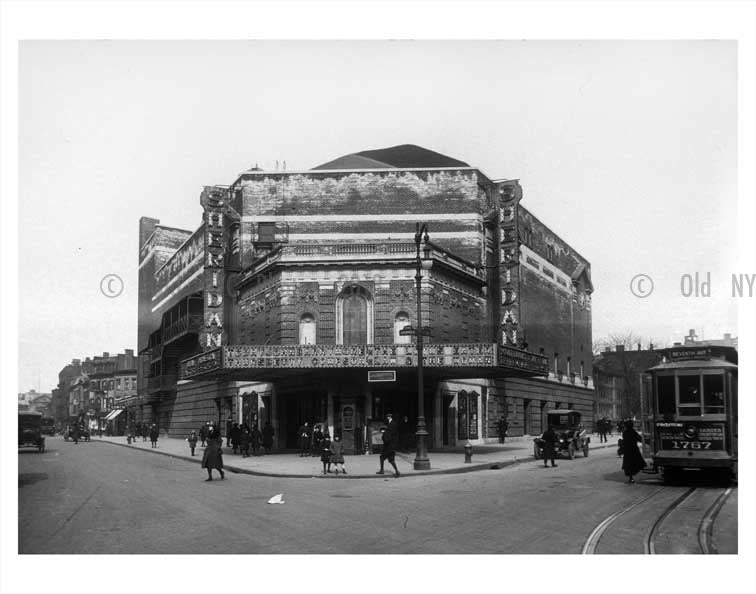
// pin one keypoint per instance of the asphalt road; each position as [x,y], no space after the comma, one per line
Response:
[100,498]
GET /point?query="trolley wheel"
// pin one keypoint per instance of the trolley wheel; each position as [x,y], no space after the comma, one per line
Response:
[571,451]
[537,452]
[585,450]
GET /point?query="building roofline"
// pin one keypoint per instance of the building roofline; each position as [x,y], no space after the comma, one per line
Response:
[530,212]
[325,172]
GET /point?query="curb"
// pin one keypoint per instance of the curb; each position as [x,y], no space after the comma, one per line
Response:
[456,470]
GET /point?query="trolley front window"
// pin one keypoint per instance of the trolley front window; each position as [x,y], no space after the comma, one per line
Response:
[690,395]
[713,394]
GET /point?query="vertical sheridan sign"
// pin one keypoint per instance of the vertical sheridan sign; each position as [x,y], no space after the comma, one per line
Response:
[218,215]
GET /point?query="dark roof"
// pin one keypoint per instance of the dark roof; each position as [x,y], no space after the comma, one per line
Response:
[402,156]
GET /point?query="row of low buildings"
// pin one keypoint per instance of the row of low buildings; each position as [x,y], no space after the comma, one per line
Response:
[97,391]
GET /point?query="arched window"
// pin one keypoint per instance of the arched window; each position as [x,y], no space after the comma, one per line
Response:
[401,320]
[307,328]
[354,316]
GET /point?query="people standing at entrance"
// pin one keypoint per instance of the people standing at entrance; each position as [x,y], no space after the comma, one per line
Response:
[192,439]
[213,455]
[203,434]
[317,440]
[405,434]
[602,430]
[244,440]
[632,459]
[229,425]
[502,427]
[267,437]
[388,452]
[304,439]
[392,427]
[549,438]
[325,453]
[337,454]
[145,431]
[235,434]
[154,433]
[256,440]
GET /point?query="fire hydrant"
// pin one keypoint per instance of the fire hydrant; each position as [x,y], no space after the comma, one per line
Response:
[468,452]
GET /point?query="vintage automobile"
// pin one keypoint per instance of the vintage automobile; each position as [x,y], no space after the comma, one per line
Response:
[30,430]
[571,436]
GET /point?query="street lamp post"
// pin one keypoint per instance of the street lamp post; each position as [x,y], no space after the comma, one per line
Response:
[422,462]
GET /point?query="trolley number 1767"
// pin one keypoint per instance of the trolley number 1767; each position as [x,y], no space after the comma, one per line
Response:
[690,445]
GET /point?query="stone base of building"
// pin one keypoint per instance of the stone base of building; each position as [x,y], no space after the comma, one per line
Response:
[456,410]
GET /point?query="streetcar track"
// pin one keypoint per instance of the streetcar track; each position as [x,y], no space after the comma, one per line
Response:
[589,548]
[706,527]
[648,544]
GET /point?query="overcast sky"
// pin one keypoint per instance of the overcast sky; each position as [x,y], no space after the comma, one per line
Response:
[626,149]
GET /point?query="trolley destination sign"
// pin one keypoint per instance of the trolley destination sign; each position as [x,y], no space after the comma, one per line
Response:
[392,356]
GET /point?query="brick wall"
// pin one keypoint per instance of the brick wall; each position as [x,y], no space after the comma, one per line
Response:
[540,395]
[289,199]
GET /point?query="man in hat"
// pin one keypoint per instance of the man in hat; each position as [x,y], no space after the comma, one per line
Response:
[389,435]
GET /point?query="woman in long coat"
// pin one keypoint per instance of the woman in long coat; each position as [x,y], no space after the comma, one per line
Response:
[632,460]
[213,455]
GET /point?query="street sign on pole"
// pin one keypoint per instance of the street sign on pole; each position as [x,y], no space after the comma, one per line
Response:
[407,331]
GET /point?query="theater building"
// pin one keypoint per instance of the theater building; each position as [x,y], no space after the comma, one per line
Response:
[295,300]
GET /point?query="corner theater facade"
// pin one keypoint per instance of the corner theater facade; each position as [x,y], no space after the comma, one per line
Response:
[294,298]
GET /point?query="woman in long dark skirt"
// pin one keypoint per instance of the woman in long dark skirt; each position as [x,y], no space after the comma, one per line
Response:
[632,460]
[213,455]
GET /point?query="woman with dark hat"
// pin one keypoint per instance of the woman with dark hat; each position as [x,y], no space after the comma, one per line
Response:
[632,460]
[213,455]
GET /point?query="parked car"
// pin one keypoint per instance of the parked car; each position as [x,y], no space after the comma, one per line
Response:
[30,431]
[571,436]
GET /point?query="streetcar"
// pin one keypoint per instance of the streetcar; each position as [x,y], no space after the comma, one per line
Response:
[689,410]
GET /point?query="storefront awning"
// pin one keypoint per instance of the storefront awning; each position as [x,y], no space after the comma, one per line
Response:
[114,414]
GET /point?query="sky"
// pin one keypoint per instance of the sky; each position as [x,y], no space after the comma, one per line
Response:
[627,149]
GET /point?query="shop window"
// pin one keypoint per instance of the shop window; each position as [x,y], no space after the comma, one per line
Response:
[307,329]
[467,415]
[400,321]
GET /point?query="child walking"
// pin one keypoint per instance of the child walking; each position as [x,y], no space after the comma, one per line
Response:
[325,453]
[337,454]
[192,439]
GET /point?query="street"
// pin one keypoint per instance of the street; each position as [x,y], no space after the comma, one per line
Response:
[100,498]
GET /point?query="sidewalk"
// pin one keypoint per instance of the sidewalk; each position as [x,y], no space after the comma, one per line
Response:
[288,464]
